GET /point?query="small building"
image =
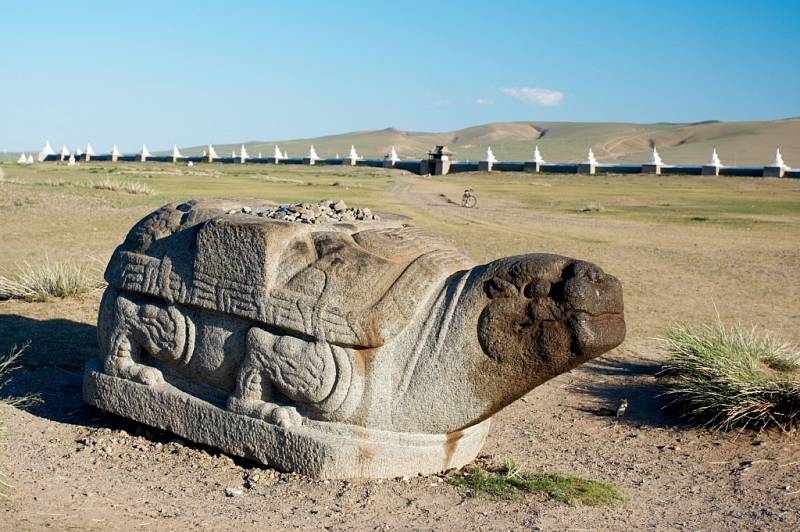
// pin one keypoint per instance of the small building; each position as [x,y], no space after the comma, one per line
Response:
[438,162]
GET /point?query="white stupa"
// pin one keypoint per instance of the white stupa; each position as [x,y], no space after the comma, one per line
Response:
[46,151]
[144,153]
[778,162]
[655,158]
[353,154]
[243,155]
[392,157]
[176,153]
[89,151]
[714,161]
[211,152]
[64,153]
[23,159]
[78,152]
[285,154]
[71,160]
[30,159]
[276,154]
[490,158]
[259,155]
[312,154]
[590,158]
[537,156]
[233,154]
[114,152]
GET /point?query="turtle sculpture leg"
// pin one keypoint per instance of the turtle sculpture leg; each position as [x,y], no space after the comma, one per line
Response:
[281,367]
[133,328]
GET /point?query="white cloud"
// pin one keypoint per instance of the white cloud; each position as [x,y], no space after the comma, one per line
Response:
[484,101]
[535,95]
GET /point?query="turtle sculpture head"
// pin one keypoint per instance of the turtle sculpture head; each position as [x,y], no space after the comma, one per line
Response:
[516,323]
[544,315]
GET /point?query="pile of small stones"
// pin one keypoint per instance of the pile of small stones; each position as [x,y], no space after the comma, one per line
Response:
[325,211]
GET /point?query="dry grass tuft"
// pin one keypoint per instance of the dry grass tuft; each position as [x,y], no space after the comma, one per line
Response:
[727,377]
[130,187]
[592,207]
[7,366]
[272,179]
[49,279]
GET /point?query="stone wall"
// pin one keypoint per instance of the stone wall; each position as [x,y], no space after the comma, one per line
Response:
[422,167]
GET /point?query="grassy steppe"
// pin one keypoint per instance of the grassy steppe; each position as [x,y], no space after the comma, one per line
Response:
[680,245]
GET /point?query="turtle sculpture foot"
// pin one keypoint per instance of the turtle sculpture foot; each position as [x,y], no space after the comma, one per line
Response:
[367,349]
[283,416]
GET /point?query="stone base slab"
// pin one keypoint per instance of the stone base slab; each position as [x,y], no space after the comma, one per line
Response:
[315,449]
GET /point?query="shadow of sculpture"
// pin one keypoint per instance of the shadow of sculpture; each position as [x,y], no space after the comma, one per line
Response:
[614,379]
[51,367]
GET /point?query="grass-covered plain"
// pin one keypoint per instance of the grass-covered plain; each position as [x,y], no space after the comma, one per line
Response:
[684,248]
[680,245]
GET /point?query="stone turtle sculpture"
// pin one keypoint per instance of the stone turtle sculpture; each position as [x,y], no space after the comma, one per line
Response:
[335,350]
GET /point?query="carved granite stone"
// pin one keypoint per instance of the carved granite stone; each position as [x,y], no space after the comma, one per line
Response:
[364,349]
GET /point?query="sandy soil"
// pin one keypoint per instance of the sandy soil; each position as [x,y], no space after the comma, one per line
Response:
[75,468]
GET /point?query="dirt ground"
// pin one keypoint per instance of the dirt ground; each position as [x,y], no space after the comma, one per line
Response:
[74,468]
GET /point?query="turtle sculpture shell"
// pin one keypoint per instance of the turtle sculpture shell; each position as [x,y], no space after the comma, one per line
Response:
[343,283]
[335,349]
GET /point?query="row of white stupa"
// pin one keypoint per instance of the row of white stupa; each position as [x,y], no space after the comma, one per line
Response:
[655,158]
[210,153]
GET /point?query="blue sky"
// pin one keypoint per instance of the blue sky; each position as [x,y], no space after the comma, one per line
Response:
[197,72]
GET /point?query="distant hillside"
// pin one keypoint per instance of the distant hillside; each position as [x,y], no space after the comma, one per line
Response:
[738,143]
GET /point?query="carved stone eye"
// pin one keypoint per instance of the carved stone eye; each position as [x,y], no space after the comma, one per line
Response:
[497,287]
[536,289]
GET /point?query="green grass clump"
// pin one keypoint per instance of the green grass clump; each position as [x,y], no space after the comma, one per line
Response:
[510,482]
[48,279]
[726,377]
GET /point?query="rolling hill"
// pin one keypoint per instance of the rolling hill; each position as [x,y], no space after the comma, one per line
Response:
[738,143]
